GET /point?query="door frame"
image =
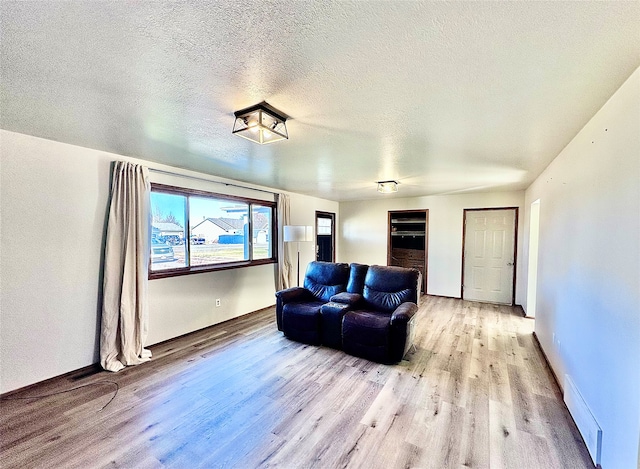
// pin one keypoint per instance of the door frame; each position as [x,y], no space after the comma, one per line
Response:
[332,216]
[532,265]
[515,246]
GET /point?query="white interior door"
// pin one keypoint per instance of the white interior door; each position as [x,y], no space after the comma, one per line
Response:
[489,255]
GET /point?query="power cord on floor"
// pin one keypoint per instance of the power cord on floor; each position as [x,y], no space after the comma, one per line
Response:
[42,396]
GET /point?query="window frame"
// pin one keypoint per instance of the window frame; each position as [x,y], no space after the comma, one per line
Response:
[188,270]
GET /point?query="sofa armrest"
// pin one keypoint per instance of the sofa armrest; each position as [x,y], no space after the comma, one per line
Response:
[293,294]
[331,330]
[347,298]
[404,313]
[402,330]
[290,295]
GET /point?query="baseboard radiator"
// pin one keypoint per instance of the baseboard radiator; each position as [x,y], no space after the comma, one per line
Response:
[584,419]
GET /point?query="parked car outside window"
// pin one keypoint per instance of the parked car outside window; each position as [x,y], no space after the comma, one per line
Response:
[173,240]
[197,240]
[161,252]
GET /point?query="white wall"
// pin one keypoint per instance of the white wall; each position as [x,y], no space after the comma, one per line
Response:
[363,233]
[588,291]
[303,212]
[53,200]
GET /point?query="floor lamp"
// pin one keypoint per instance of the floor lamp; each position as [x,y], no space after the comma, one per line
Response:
[297,234]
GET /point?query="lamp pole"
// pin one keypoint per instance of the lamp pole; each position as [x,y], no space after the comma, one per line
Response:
[298,247]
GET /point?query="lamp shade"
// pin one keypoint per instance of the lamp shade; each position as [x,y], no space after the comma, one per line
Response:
[297,233]
[261,123]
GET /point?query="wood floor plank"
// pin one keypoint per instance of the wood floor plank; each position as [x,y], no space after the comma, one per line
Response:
[474,392]
[504,450]
[528,417]
[475,432]
[499,384]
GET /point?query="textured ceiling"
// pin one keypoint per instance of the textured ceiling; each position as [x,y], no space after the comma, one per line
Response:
[444,97]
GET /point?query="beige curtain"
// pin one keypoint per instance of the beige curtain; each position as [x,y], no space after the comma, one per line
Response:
[283,267]
[124,307]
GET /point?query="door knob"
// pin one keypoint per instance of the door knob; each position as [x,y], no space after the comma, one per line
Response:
[510,263]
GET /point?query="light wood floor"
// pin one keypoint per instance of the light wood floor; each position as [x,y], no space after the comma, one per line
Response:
[475,393]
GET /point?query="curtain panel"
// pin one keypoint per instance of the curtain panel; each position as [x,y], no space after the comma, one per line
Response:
[125,307]
[283,267]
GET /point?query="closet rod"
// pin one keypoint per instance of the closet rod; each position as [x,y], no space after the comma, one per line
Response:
[161,171]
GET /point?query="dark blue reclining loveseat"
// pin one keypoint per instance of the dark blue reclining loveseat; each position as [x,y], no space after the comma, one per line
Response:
[367,311]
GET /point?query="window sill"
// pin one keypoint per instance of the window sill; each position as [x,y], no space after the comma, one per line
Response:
[207,268]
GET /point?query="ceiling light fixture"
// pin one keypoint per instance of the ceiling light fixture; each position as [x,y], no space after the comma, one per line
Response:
[387,187]
[261,123]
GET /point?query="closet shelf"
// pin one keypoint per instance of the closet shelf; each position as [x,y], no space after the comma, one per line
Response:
[407,233]
[400,221]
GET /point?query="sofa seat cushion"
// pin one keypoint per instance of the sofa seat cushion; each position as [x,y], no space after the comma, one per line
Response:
[366,334]
[366,327]
[301,321]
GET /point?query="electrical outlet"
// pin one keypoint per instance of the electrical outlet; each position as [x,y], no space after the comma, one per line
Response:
[217,302]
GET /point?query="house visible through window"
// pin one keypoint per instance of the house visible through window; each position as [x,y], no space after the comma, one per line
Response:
[194,231]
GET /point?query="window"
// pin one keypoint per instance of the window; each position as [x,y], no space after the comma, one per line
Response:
[195,231]
[262,216]
[324,226]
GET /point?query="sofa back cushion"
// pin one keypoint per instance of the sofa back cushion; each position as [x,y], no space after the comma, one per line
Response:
[386,287]
[325,279]
[357,273]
